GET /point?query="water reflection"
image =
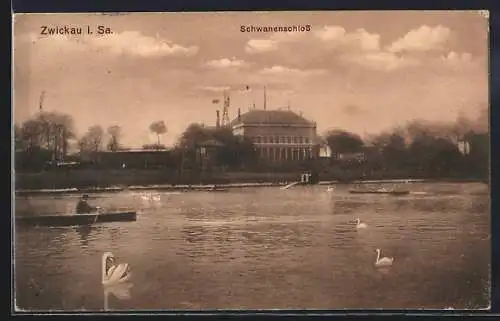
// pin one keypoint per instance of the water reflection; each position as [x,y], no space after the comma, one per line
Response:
[120,291]
[84,232]
[267,248]
[383,270]
[195,233]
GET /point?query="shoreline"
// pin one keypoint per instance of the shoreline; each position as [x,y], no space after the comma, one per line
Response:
[218,187]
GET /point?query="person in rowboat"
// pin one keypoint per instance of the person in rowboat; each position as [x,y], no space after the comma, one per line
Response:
[83,206]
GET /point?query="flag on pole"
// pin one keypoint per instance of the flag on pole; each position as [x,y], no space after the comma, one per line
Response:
[215,101]
[40,103]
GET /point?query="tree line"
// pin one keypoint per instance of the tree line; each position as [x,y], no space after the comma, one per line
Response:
[419,147]
[47,137]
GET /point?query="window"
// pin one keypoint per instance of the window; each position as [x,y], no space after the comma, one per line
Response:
[307,140]
[289,139]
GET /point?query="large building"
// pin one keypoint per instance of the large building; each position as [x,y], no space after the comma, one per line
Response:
[279,135]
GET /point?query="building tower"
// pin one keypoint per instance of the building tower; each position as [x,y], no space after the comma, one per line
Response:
[225,110]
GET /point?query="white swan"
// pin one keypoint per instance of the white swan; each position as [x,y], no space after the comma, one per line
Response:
[359,224]
[330,189]
[384,261]
[114,273]
[151,197]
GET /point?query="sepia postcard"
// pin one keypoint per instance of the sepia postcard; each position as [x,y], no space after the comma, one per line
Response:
[251,160]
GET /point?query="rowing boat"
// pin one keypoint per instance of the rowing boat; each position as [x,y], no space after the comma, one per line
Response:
[395,193]
[76,219]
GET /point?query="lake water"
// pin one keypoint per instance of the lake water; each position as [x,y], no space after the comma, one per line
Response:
[264,248]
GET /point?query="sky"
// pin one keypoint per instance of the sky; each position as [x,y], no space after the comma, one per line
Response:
[363,71]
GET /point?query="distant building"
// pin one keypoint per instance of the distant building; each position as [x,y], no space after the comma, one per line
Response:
[464,147]
[207,153]
[279,135]
[131,158]
[324,150]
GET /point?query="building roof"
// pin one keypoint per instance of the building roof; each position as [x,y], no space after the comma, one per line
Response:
[319,140]
[280,117]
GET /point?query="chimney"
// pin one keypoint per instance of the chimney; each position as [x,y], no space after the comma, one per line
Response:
[239,114]
[265,98]
[217,124]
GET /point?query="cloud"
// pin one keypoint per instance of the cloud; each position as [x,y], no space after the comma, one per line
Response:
[261,45]
[382,61]
[215,89]
[53,43]
[136,44]
[131,43]
[422,39]
[359,39]
[457,58]
[460,61]
[254,46]
[422,46]
[281,70]
[225,63]
[359,47]
[331,36]
[363,48]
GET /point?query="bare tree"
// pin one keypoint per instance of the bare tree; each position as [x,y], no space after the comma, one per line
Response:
[92,140]
[159,128]
[482,122]
[48,130]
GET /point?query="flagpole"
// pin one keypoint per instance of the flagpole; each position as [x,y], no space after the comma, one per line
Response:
[265,98]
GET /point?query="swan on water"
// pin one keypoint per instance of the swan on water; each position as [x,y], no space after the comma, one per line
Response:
[383,261]
[114,273]
[151,197]
[330,189]
[359,224]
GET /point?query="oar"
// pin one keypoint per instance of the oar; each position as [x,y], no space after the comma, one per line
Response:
[97,214]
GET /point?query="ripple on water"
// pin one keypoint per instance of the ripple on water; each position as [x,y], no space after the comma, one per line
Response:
[266,248]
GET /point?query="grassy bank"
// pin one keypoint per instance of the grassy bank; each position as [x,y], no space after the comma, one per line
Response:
[107,178]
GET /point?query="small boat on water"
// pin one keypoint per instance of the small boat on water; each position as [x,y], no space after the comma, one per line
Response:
[380,191]
[76,219]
